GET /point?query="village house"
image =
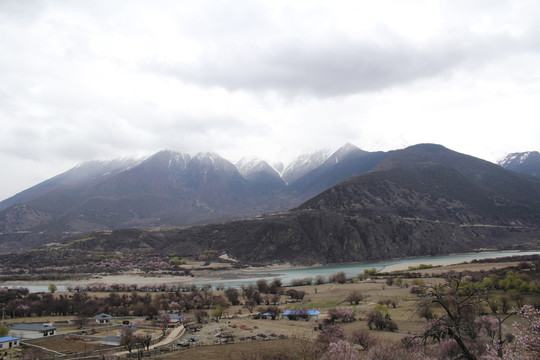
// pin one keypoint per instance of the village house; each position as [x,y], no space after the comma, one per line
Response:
[8,342]
[176,318]
[32,331]
[307,315]
[103,318]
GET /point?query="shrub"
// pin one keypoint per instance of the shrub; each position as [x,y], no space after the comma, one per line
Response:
[329,334]
[354,297]
[340,350]
[339,278]
[343,314]
[370,272]
[363,338]
[376,318]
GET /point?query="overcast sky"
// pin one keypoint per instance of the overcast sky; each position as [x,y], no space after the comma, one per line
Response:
[84,80]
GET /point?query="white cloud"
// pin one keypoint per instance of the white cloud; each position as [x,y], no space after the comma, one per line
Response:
[102,79]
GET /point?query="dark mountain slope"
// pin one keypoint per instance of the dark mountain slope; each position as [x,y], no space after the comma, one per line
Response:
[424,200]
[485,174]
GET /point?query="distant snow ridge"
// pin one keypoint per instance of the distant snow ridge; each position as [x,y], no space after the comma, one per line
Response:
[251,167]
[525,162]
[517,158]
[304,164]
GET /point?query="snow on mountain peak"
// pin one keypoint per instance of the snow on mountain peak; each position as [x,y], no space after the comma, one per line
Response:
[208,156]
[250,165]
[303,164]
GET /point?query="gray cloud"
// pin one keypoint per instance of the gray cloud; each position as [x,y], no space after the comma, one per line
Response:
[337,67]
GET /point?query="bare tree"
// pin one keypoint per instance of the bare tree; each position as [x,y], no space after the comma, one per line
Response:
[81,320]
[127,338]
[163,322]
[460,302]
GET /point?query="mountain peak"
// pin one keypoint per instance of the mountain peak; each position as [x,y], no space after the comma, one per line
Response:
[208,156]
[523,162]
[303,164]
[348,147]
[249,165]
[342,153]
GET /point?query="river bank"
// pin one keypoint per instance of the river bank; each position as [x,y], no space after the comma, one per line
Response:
[287,272]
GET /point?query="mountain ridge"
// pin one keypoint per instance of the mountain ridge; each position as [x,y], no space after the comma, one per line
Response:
[167,188]
[421,201]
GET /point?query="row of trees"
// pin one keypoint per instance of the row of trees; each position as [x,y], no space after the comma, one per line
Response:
[20,302]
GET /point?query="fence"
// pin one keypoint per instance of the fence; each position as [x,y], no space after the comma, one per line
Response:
[189,345]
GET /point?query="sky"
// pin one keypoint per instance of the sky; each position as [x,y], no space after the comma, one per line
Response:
[97,80]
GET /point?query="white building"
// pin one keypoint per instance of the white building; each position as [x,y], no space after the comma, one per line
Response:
[7,343]
[32,331]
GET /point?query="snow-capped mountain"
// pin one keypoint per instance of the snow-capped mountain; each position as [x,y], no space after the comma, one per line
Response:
[343,163]
[171,188]
[523,162]
[260,174]
[87,173]
[248,166]
[304,164]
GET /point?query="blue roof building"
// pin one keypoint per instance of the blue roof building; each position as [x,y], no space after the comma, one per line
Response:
[301,314]
[9,342]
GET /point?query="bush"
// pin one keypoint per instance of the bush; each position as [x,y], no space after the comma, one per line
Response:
[343,314]
[329,334]
[340,350]
[339,278]
[376,318]
[354,297]
[370,272]
[363,338]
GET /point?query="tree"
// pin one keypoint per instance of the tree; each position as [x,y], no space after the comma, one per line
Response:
[232,295]
[329,334]
[52,288]
[250,305]
[460,301]
[344,314]
[163,321]
[494,326]
[273,310]
[340,278]
[127,338]
[376,318]
[144,341]
[200,315]
[354,297]
[340,350]
[4,330]
[263,287]
[81,320]
[526,344]
[217,313]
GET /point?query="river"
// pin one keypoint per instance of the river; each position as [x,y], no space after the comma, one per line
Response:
[351,270]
